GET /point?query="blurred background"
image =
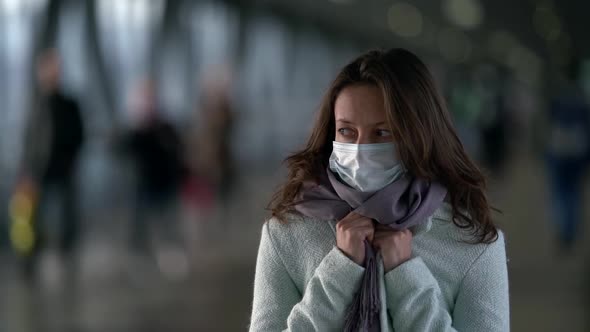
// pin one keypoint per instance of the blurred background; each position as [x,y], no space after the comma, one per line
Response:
[140,141]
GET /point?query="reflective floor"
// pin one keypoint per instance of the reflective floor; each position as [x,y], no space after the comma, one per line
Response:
[208,285]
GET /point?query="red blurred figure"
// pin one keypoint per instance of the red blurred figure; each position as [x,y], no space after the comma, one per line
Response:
[209,144]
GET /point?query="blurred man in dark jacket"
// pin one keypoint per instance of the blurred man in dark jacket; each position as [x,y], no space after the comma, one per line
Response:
[53,142]
[155,149]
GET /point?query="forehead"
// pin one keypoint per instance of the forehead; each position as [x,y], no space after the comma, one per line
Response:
[360,104]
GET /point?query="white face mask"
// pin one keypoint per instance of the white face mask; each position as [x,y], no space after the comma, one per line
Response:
[366,167]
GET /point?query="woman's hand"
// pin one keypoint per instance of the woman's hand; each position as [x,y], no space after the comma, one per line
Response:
[395,246]
[351,233]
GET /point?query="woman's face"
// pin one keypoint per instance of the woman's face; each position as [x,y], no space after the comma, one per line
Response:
[360,116]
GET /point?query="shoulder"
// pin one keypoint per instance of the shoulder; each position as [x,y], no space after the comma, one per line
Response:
[446,237]
[300,243]
[297,231]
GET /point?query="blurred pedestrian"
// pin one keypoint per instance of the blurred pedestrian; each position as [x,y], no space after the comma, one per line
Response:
[567,154]
[154,146]
[493,120]
[466,105]
[53,142]
[214,141]
[209,144]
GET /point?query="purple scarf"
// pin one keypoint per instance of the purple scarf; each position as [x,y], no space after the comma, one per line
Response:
[402,204]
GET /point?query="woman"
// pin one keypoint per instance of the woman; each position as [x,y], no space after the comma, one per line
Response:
[383,223]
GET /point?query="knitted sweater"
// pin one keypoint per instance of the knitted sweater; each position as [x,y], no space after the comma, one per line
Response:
[303,282]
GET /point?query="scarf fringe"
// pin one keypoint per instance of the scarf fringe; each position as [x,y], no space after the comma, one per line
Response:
[363,313]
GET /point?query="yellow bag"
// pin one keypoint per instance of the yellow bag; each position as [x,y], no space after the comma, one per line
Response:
[22,209]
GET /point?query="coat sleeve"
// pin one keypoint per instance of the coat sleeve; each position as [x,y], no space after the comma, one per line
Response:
[415,302]
[279,306]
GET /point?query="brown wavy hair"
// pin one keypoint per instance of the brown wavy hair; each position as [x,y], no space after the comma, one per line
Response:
[421,126]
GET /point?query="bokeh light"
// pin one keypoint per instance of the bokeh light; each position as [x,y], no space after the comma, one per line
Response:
[467,14]
[405,19]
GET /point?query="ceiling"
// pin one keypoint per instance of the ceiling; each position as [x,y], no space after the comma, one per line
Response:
[368,21]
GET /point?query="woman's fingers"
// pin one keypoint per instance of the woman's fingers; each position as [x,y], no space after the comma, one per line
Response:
[367,232]
[351,232]
[350,219]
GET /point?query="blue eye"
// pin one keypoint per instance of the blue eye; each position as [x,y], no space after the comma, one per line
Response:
[345,131]
[383,133]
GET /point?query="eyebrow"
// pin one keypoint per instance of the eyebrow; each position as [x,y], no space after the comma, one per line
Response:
[350,122]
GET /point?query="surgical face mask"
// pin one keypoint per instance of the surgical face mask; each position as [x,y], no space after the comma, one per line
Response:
[366,167]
